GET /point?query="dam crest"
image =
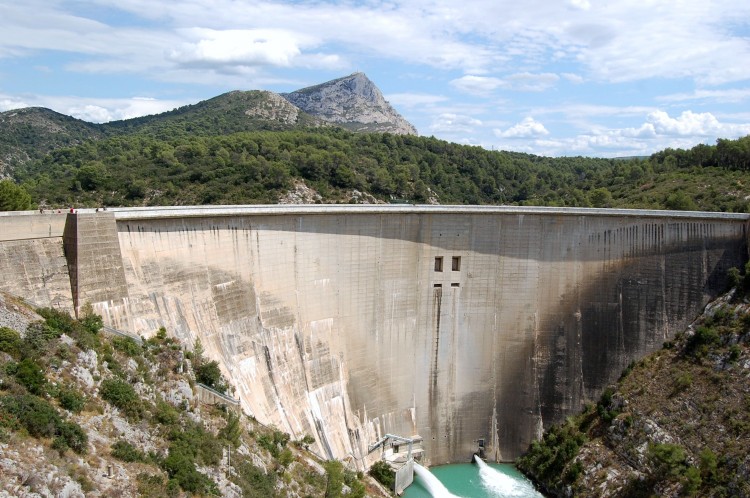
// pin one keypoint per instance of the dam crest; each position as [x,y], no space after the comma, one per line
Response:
[454,323]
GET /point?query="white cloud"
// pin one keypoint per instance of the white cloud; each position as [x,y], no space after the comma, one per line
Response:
[454,123]
[616,41]
[527,128]
[524,82]
[250,47]
[687,124]
[97,110]
[529,82]
[477,85]
[10,103]
[728,95]
[581,4]
[91,113]
[573,78]
[658,132]
[414,99]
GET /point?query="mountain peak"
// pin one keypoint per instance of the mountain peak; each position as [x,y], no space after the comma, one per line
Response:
[353,102]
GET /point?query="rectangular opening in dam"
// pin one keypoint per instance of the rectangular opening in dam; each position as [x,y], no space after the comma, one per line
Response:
[437,285]
[455,284]
[438,263]
[456,263]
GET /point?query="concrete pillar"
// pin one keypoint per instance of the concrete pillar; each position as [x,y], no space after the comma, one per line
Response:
[92,249]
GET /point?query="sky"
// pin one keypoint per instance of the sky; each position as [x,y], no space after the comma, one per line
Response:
[608,78]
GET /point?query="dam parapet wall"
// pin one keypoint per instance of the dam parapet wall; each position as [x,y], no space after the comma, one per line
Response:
[456,323]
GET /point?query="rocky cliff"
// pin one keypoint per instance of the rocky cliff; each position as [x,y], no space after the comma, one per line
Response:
[353,102]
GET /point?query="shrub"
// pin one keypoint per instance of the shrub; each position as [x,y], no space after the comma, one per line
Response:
[38,417]
[57,320]
[10,342]
[253,481]
[708,464]
[127,346]
[335,474]
[30,374]
[383,473]
[603,407]
[306,441]
[123,450]
[209,374]
[166,414]
[691,481]
[155,486]
[199,444]
[71,399]
[683,381]
[667,460]
[547,459]
[697,344]
[38,337]
[42,420]
[181,467]
[356,487]
[122,395]
[232,431]
[91,322]
[734,352]
[266,441]
[286,457]
[70,435]
[280,438]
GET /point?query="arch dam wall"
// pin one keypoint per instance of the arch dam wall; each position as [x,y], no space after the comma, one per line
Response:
[347,323]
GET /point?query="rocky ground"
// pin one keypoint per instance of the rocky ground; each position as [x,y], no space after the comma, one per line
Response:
[83,414]
[676,424]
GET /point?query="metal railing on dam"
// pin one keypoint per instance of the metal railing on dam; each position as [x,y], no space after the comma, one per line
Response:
[135,213]
[457,323]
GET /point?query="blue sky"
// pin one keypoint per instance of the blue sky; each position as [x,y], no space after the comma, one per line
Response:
[576,77]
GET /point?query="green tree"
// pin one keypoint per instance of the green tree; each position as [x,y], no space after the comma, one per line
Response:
[600,198]
[10,342]
[210,375]
[122,395]
[232,431]
[13,197]
[335,483]
[31,375]
[383,473]
[680,201]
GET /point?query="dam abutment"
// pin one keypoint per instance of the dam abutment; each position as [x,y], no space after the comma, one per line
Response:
[347,323]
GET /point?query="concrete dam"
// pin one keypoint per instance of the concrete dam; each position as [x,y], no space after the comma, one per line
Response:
[460,324]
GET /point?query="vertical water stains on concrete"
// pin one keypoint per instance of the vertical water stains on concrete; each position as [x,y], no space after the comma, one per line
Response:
[332,324]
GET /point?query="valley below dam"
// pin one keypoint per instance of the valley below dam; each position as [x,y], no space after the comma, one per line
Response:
[465,325]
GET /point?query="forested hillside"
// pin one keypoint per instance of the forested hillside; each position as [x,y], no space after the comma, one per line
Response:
[28,134]
[177,168]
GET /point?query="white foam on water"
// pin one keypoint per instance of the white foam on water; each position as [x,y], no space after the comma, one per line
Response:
[436,488]
[501,485]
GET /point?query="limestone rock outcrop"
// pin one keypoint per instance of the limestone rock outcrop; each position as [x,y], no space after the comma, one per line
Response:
[353,102]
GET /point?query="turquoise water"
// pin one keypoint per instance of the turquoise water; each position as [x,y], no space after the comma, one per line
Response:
[469,481]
